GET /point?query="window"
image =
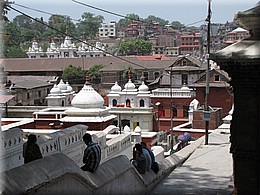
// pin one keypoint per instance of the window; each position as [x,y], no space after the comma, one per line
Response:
[114,102]
[28,95]
[39,93]
[184,79]
[141,103]
[128,103]
[184,63]
[174,110]
[125,122]
[145,75]
[185,111]
[66,54]
[217,77]
[156,75]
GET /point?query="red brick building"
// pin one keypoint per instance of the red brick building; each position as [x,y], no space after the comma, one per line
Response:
[220,94]
[190,43]
[162,101]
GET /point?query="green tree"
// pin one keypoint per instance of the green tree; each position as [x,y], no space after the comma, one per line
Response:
[23,21]
[152,18]
[74,75]
[29,28]
[15,52]
[89,24]
[135,47]
[128,19]
[12,40]
[94,73]
[177,25]
[61,23]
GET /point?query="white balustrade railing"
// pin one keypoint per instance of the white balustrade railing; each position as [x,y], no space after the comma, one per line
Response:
[68,141]
[174,93]
[11,149]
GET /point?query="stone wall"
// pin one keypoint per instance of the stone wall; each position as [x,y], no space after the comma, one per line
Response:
[69,142]
[58,174]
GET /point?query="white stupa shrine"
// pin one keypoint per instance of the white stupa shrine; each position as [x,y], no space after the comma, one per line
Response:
[35,51]
[67,49]
[132,106]
[53,51]
[88,108]
[85,50]
[60,95]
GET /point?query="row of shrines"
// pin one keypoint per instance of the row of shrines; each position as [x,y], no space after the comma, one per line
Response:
[32,82]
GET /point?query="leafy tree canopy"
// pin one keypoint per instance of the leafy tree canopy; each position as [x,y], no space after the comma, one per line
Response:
[89,24]
[94,73]
[61,23]
[177,25]
[15,52]
[128,19]
[135,47]
[74,75]
[152,18]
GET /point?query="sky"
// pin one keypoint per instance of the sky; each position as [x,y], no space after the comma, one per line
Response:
[185,11]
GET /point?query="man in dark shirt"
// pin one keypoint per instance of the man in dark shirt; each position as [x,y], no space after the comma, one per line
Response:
[139,160]
[31,150]
[92,154]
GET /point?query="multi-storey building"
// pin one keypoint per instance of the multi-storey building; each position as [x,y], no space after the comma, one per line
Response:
[164,44]
[107,30]
[135,29]
[236,35]
[191,43]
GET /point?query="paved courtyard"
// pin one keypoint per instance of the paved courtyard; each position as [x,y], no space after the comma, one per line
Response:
[207,171]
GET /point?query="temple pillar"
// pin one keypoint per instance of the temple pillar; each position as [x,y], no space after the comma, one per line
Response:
[242,62]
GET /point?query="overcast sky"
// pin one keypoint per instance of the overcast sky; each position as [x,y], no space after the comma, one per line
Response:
[185,11]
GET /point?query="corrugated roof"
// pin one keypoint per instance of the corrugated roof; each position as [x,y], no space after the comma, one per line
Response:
[58,64]
[5,98]
[28,82]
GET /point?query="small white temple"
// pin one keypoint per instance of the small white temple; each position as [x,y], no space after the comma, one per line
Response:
[67,49]
[132,105]
[86,50]
[35,51]
[60,95]
[88,108]
[53,51]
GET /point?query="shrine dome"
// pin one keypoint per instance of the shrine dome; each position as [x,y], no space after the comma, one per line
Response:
[129,85]
[67,41]
[87,98]
[143,87]
[116,87]
[69,88]
[62,85]
[55,90]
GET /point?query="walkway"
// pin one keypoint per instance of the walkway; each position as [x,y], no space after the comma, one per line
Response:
[207,171]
